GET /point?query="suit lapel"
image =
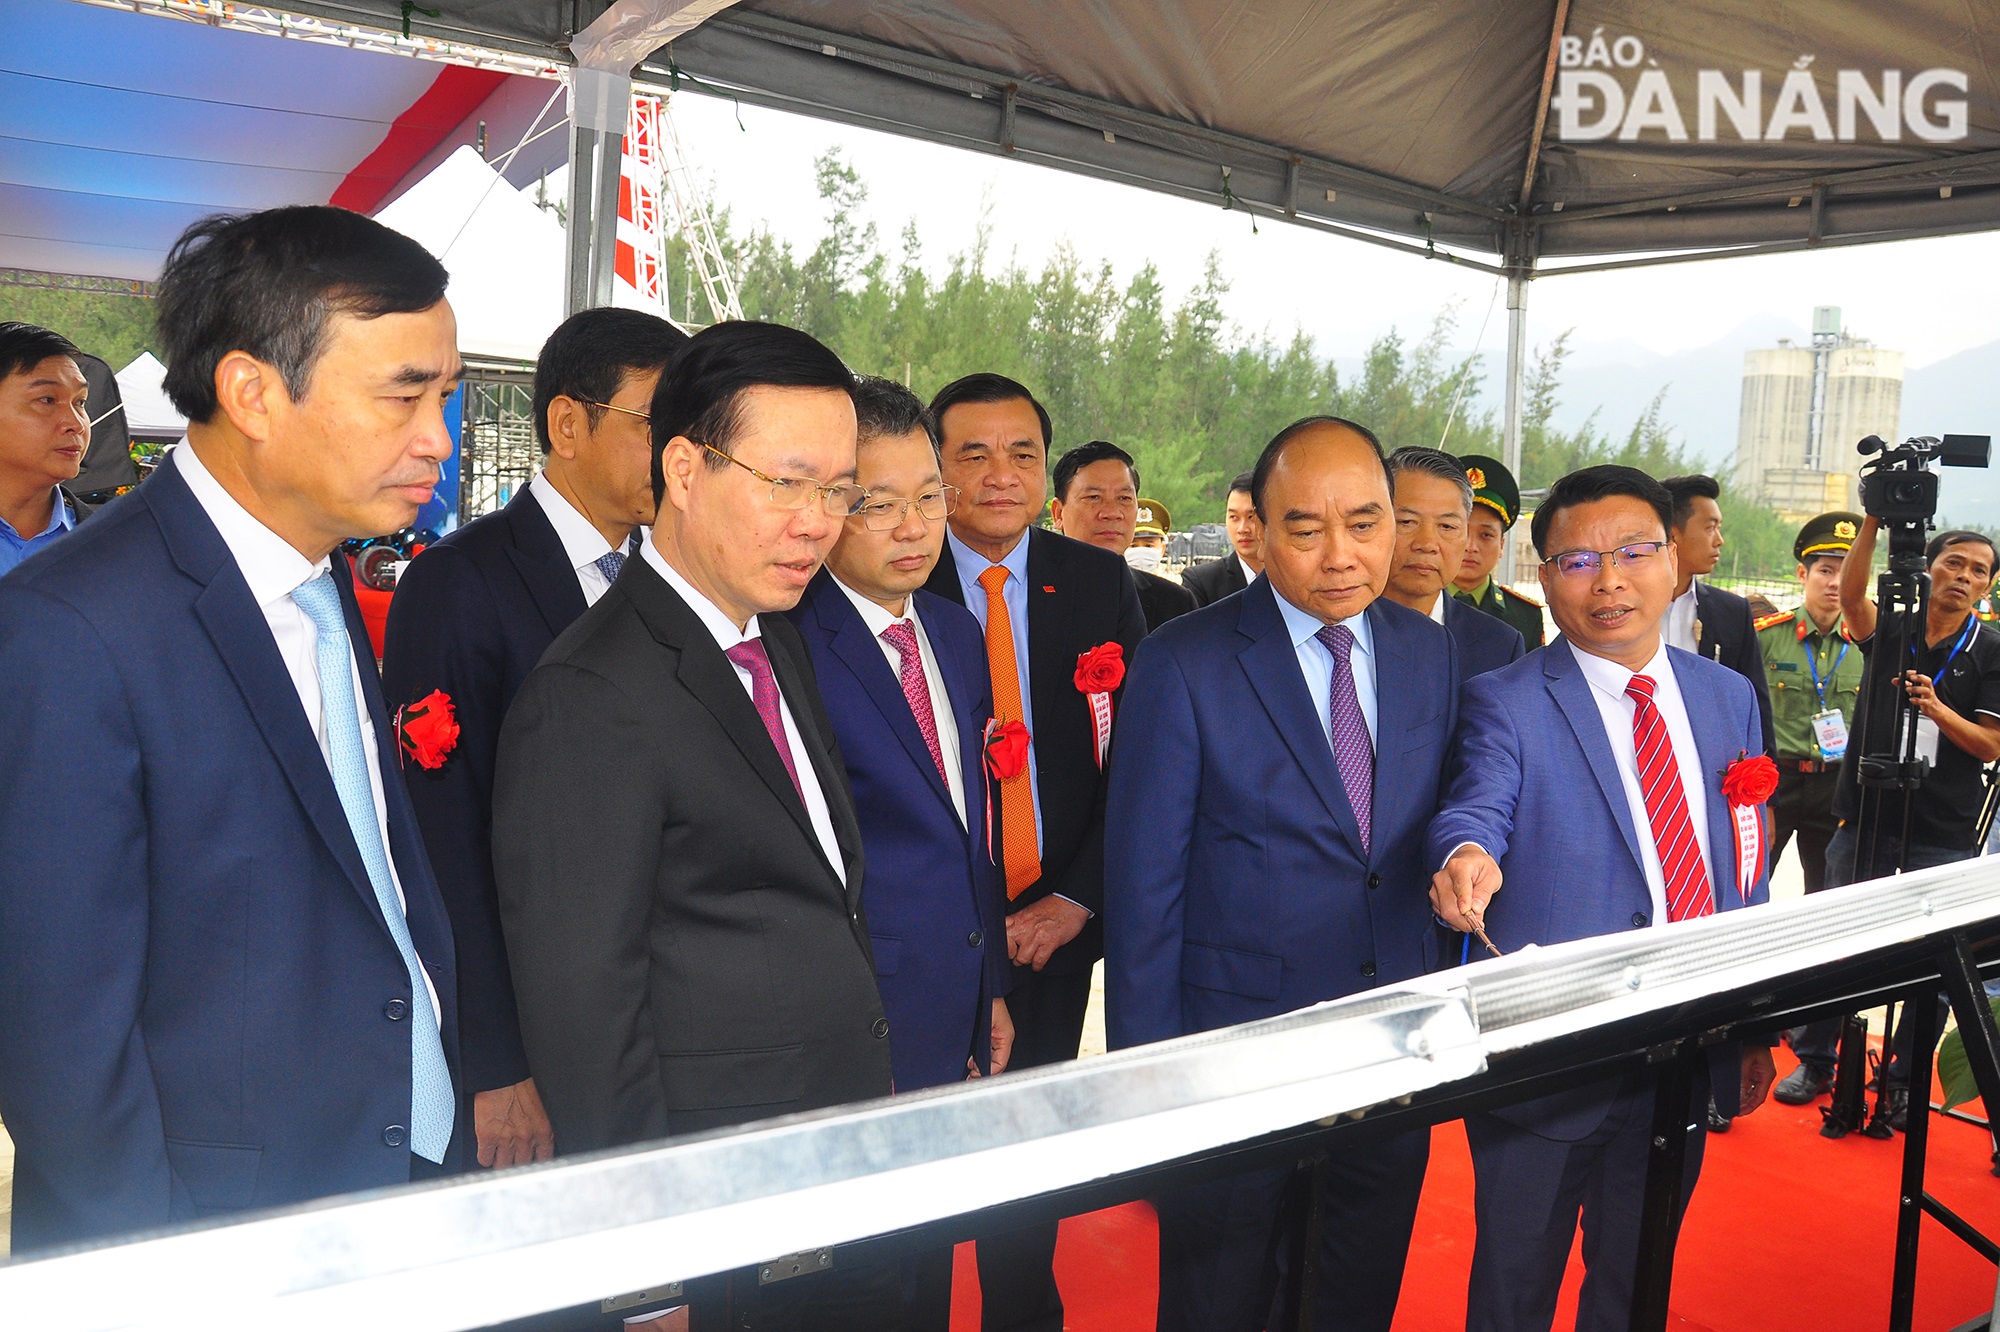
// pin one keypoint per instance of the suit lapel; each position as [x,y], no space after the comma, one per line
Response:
[1048,594]
[966,681]
[1395,713]
[1571,692]
[858,650]
[538,556]
[795,683]
[1272,664]
[943,581]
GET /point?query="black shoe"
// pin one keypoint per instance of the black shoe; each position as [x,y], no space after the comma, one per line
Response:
[1899,1108]
[1803,1085]
[1717,1121]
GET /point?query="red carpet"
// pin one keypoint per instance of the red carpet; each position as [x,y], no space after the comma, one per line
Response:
[1787,1231]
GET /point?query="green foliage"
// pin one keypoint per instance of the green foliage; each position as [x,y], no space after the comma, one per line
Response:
[116,328]
[1955,1079]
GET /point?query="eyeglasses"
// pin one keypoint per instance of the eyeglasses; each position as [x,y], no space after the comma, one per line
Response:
[796,492]
[886,513]
[614,407]
[1577,563]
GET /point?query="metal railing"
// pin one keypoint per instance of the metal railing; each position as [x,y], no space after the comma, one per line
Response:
[476,1250]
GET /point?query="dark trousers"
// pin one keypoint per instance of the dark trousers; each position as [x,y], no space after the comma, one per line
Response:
[1017,1279]
[1818,1043]
[1530,1193]
[1804,805]
[1224,1251]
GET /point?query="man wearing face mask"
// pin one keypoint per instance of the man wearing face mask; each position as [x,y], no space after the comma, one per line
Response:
[1097,501]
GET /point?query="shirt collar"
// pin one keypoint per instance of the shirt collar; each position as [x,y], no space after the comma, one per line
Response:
[971,563]
[1687,598]
[269,563]
[1437,607]
[1302,626]
[1249,574]
[1608,677]
[581,541]
[1478,594]
[720,626]
[877,619]
[59,520]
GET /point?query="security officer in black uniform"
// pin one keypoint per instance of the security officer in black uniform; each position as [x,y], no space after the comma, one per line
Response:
[1496,503]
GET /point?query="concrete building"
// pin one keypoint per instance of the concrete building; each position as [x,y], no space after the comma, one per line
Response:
[1805,408]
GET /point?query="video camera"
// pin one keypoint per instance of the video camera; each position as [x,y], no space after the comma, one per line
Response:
[1899,490]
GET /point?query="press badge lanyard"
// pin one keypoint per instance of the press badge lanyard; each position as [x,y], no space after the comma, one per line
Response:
[1971,631]
[1812,664]
[1927,730]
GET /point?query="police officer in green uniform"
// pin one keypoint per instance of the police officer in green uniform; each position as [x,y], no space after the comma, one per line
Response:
[1814,673]
[1496,503]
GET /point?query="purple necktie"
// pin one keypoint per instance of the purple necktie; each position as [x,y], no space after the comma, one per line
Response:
[1353,751]
[749,656]
[902,636]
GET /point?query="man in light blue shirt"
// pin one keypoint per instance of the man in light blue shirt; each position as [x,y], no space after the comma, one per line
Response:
[44,431]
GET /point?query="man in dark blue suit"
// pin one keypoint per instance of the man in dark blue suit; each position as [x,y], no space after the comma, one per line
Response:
[905,679]
[471,617]
[1433,508]
[1259,858]
[237,991]
[1588,778]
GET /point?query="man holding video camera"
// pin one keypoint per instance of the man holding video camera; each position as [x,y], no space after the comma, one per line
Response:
[1952,678]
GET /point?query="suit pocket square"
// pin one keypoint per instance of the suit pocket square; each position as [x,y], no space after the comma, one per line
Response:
[1232,971]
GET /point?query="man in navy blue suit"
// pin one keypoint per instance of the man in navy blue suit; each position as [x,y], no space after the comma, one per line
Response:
[471,617]
[904,675]
[1588,778]
[237,991]
[1259,858]
[1433,508]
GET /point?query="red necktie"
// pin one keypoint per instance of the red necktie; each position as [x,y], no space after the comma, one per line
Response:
[749,654]
[1688,893]
[902,636]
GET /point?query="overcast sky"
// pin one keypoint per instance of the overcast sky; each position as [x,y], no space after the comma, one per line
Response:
[1928,298]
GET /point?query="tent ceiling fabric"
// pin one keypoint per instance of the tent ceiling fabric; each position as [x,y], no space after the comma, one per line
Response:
[1399,108]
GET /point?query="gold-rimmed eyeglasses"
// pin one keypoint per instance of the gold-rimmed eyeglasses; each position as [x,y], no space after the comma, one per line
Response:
[1576,563]
[614,407]
[795,492]
[886,513]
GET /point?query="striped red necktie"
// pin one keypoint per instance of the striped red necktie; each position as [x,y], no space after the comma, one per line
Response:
[1688,893]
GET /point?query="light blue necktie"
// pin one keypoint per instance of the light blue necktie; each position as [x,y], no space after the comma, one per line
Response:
[431,1101]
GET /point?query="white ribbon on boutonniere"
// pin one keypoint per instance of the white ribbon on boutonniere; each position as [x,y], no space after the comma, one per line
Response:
[1747,784]
[1099,672]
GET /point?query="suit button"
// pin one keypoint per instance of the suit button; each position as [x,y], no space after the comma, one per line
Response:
[881,1028]
[976,939]
[394,1136]
[395,1010]
[1639,919]
[1374,881]
[1368,970]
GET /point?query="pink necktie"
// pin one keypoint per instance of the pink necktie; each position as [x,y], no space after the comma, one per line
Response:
[902,636]
[1353,750]
[749,655]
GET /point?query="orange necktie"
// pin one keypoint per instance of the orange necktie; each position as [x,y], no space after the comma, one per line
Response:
[1018,855]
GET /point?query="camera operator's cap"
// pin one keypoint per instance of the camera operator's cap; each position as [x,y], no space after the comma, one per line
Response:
[1153,518]
[1494,486]
[1828,534]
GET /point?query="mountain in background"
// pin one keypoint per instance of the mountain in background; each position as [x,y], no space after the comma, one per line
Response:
[1959,395]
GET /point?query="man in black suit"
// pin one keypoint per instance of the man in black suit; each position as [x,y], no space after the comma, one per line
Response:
[471,617]
[1433,509]
[1044,602]
[1097,502]
[1215,579]
[675,841]
[1704,620]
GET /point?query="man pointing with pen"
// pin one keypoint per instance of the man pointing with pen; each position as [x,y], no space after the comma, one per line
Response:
[1607,782]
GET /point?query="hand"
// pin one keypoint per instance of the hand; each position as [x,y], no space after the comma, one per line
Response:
[1003,1037]
[512,1127]
[1038,929]
[1758,1075]
[1461,890]
[1923,693]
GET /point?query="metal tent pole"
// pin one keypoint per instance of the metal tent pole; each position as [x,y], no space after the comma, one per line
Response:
[1517,357]
[599,106]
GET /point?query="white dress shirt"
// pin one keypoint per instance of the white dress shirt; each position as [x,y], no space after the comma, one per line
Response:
[1677,628]
[878,621]
[582,543]
[1316,663]
[1249,574]
[727,636]
[274,570]
[1607,689]
[1437,608]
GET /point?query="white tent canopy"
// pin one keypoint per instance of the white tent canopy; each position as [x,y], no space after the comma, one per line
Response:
[147,409]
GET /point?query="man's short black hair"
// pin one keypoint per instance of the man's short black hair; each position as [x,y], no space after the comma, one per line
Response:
[1260,475]
[589,355]
[267,284]
[1596,483]
[1431,462]
[25,346]
[990,388]
[1241,485]
[700,397]
[1082,456]
[884,409]
[1686,490]
[1945,540]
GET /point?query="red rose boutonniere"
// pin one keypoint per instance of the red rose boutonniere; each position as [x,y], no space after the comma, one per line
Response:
[1006,749]
[427,730]
[1098,672]
[1746,785]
